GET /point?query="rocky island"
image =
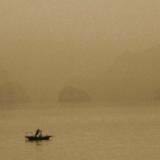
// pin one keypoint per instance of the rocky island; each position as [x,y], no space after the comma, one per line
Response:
[72,94]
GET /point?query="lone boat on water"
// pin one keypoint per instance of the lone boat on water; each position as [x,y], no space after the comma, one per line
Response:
[38,136]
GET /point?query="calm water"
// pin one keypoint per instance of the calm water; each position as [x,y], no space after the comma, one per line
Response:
[81,132]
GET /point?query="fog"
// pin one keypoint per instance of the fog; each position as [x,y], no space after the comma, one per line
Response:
[49,45]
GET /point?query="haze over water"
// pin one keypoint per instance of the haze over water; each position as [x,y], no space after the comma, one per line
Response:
[103,47]
[100,56]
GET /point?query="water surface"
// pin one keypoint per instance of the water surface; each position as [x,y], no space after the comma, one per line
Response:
[81,132]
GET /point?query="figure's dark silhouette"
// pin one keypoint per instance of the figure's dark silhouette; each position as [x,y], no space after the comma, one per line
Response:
[38,132]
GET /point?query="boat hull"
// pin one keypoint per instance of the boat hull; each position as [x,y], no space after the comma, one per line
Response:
[40,138]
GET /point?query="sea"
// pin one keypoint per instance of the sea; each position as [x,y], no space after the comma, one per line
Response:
[81,131]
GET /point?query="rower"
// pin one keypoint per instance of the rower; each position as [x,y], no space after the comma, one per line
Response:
[38,133]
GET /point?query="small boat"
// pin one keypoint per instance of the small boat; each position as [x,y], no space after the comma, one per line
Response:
[38,138]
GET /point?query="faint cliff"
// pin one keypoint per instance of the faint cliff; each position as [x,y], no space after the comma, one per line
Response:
[10,91]
[134,76]
[72,94]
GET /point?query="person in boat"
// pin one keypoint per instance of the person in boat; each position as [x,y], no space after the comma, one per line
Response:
[38,133]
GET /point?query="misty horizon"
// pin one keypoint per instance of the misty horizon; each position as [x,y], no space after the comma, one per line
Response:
[129,78]
[104,48]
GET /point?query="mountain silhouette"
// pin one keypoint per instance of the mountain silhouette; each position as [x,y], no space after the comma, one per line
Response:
[134,76]
[11,91]
[72,94]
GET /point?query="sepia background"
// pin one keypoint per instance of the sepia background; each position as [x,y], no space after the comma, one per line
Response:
[103,56]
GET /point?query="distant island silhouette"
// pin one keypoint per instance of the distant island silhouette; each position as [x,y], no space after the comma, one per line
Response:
[10,90]
[134,77]
[72,94]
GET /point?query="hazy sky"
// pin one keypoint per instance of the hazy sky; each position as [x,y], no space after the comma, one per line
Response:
[46,45]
